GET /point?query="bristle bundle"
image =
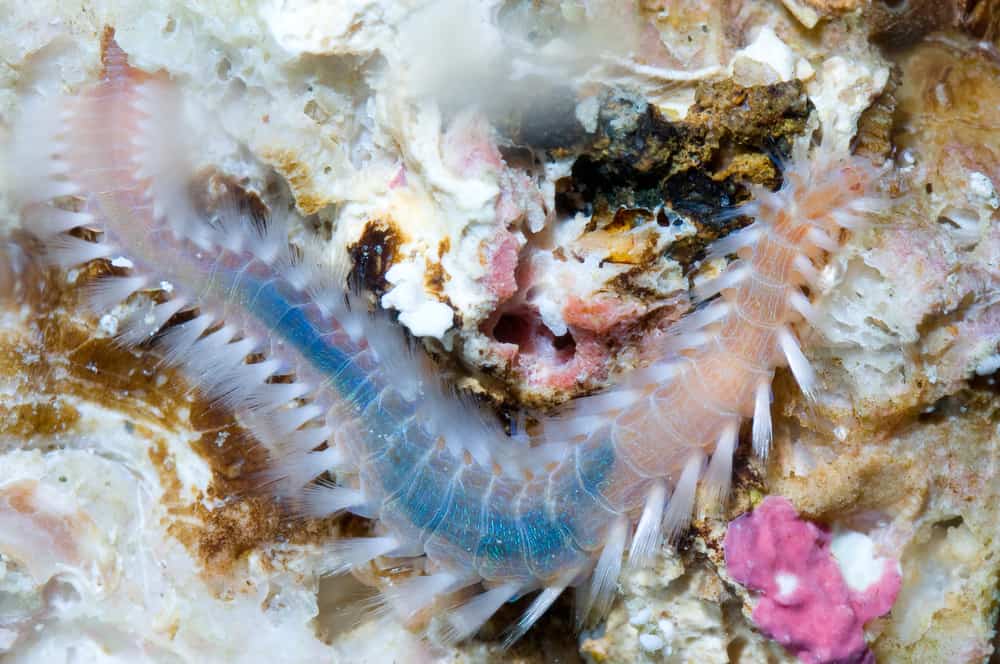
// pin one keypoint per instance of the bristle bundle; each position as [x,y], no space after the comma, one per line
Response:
[605,576]
[345,554]
[720,469]
[681,504]
[762,420]
[797,362]
[535,611]
[466,620]
[649,531]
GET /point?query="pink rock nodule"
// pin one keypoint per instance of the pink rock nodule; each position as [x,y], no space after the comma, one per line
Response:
[805,603]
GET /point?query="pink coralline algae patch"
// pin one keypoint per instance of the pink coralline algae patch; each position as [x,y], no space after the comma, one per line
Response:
[600,313]
[501,277]
[805,603]
[468,148]
[399,179]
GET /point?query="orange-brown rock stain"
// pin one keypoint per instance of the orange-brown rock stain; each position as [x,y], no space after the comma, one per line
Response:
[57,359]
[373,253]
[299,177]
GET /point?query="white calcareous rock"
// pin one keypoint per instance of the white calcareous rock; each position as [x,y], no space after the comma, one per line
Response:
[117,542]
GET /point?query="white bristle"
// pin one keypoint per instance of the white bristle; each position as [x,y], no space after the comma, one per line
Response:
[30,157]
[681,504]
[209,352]
[466,620]
[107,292]
[149,98]
[323,499]
[535,611]
[807,271]
[675,343]
[857,215]
[649,532]
[612,400]
[269,243]
[55,188]
[762,420]
[797,362]
[172,204]
[142,324]
[701,318]
[731,278]
[240,385]
[330,301]
[339,265]
[309,437]
[719,475]
[654,374]
[297,276]
[342,555]
[863,205]
[178,340]
[394,353]
[271,247]
[410,597]
[557,428]
[446,413]
[292,469]
[822,240]
[285,421]
[233,242]
[734,242]
[605,576]
[141,142]
[58,169]
[232,221]
[227,371]
[268,396]
[45,220]
[145,322]
[847,219]
[161,155]
[801,304]
[264,370]
[454,417]
[354,326]
[67,251]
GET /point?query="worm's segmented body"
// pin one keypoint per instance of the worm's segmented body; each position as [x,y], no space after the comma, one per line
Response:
[360,404]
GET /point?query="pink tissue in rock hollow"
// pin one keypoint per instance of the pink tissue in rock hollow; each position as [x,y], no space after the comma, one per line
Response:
[805,603]
[501,270]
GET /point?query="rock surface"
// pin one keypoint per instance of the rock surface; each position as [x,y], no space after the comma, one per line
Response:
[533,195]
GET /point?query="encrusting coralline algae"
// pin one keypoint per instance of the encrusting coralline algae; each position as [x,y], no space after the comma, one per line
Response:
[189,254]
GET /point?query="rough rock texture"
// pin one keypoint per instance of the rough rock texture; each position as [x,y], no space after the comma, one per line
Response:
[913,404]
[529,195]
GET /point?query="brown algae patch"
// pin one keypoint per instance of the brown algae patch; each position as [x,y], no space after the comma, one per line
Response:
[57,359]
[57,355]
[40,418]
